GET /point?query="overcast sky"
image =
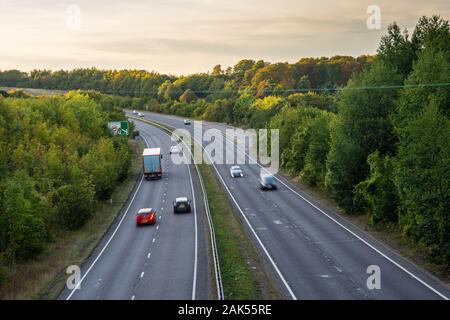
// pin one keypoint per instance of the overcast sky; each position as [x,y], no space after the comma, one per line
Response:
[188,36]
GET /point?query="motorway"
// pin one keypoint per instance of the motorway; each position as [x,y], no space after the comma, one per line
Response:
[168,260]
[312,252]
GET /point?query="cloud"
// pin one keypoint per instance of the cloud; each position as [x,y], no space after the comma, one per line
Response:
[184,36]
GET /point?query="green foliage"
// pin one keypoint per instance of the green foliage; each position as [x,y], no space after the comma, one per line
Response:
[23,217]
[314,168]
[422,172]
[75,201]
[56,158]
[422,177]
[188,96]
[363,127]
[378,190]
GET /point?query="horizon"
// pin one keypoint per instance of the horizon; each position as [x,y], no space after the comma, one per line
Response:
[187,74]
[181,37]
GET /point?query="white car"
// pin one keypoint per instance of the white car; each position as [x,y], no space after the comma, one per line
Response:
[187,121]
[140,114]
[175,149]
[236,171]
[135,112]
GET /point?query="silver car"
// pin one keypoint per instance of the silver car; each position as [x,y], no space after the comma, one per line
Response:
[236,171]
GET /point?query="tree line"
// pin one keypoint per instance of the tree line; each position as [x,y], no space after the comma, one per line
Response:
[261,76]
[57,159]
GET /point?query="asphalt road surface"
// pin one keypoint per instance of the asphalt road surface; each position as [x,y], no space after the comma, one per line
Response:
[311,251]
[165,261]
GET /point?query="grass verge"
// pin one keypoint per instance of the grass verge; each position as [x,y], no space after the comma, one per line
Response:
[44,277]
[243,273]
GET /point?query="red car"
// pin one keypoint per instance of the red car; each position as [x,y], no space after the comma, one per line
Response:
[146,216]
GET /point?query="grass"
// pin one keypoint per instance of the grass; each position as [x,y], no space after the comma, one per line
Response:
[244,275]
[45,276]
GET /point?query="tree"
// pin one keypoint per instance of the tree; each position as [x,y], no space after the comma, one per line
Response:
[396,50]
[23,216]
[378,190]
[364,126]
[422,164]
[422,177]
[217,70]
[314,168]
[188,96]
[75,201]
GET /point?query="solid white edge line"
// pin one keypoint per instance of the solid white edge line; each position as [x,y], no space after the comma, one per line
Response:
[347,229]
[107,243]
[110,238]
[194,280]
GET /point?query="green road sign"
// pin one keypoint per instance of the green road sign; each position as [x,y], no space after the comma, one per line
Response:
[119,128]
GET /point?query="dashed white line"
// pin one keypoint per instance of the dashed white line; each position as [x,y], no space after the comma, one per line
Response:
[149,255]
[142,274]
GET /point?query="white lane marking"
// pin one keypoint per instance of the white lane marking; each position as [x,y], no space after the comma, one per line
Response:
[277,270]
[107,243]
[154,239]
[133,297]
[110,238]
[149,255]
[142,274]
[277,222]
[347,229]
[194,278]
[157,227]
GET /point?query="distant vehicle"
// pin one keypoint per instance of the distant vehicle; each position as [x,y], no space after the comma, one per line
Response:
[135,112]
[175,149]
[145,216]
[182,205]
[140,114]
[151,163]
[236,171]
[187,121]
[267,182]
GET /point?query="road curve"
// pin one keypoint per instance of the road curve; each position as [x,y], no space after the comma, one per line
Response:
[165,261]
[313,252]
